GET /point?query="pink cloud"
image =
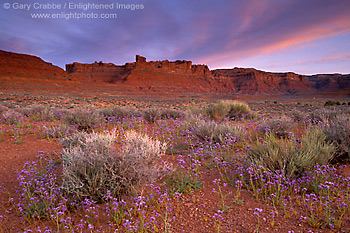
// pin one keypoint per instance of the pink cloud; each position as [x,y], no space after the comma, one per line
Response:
[241,48]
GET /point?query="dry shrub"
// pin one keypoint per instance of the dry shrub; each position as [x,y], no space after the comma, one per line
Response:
[37,112]
[291,157]
[281,127]
[214,132]
[337,130]
[56,131]
[153,114]
[323,114]
[171,114]
[59,113]
[297,115]
[11,116]
[3,109]
[92,168]
[84,118]
[142,146]
[119,112]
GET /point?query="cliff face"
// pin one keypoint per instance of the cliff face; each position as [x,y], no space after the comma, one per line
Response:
[331,82]
[164,75]
[173,76]
[27,66]
[182,75]
[102,72]
[247,81]
[97,72]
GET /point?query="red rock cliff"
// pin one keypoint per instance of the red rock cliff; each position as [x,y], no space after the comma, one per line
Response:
[27,66]
[172,76]
[248,81]
[182,75]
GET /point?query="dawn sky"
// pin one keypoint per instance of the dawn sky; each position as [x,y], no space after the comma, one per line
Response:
[302,36]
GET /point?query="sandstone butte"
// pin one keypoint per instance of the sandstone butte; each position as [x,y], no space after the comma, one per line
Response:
[173,76]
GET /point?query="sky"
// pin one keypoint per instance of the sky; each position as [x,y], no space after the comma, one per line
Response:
[301,36]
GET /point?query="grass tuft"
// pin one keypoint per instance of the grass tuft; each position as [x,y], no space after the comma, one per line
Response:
[230,109]
[214,132]
[291,157]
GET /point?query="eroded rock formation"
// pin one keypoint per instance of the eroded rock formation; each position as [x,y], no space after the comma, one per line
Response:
[248,80]
[173,76]
[27,66]
[182,75]
[108,72]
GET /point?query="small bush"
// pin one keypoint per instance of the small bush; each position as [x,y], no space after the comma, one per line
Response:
[56,131]
[279,127]
[228,109]
[323,114]
[91,167]
[37,112]
[151,115]
[337,130]
[85,119]
[297,115]
[119,112]
[195,111]
[3,109]
[171,114]
[141,146]
[213,132]
[289,157]
[59,113]
[329,103]
[11,117]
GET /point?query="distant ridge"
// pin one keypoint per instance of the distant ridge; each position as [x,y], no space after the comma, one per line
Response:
[28,66]
[174,76]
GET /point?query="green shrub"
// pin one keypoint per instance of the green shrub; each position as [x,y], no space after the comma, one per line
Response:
[214,132]
[329,103]
[337,130]
[279,127]
[289,157]
[228,109]
[153,114]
